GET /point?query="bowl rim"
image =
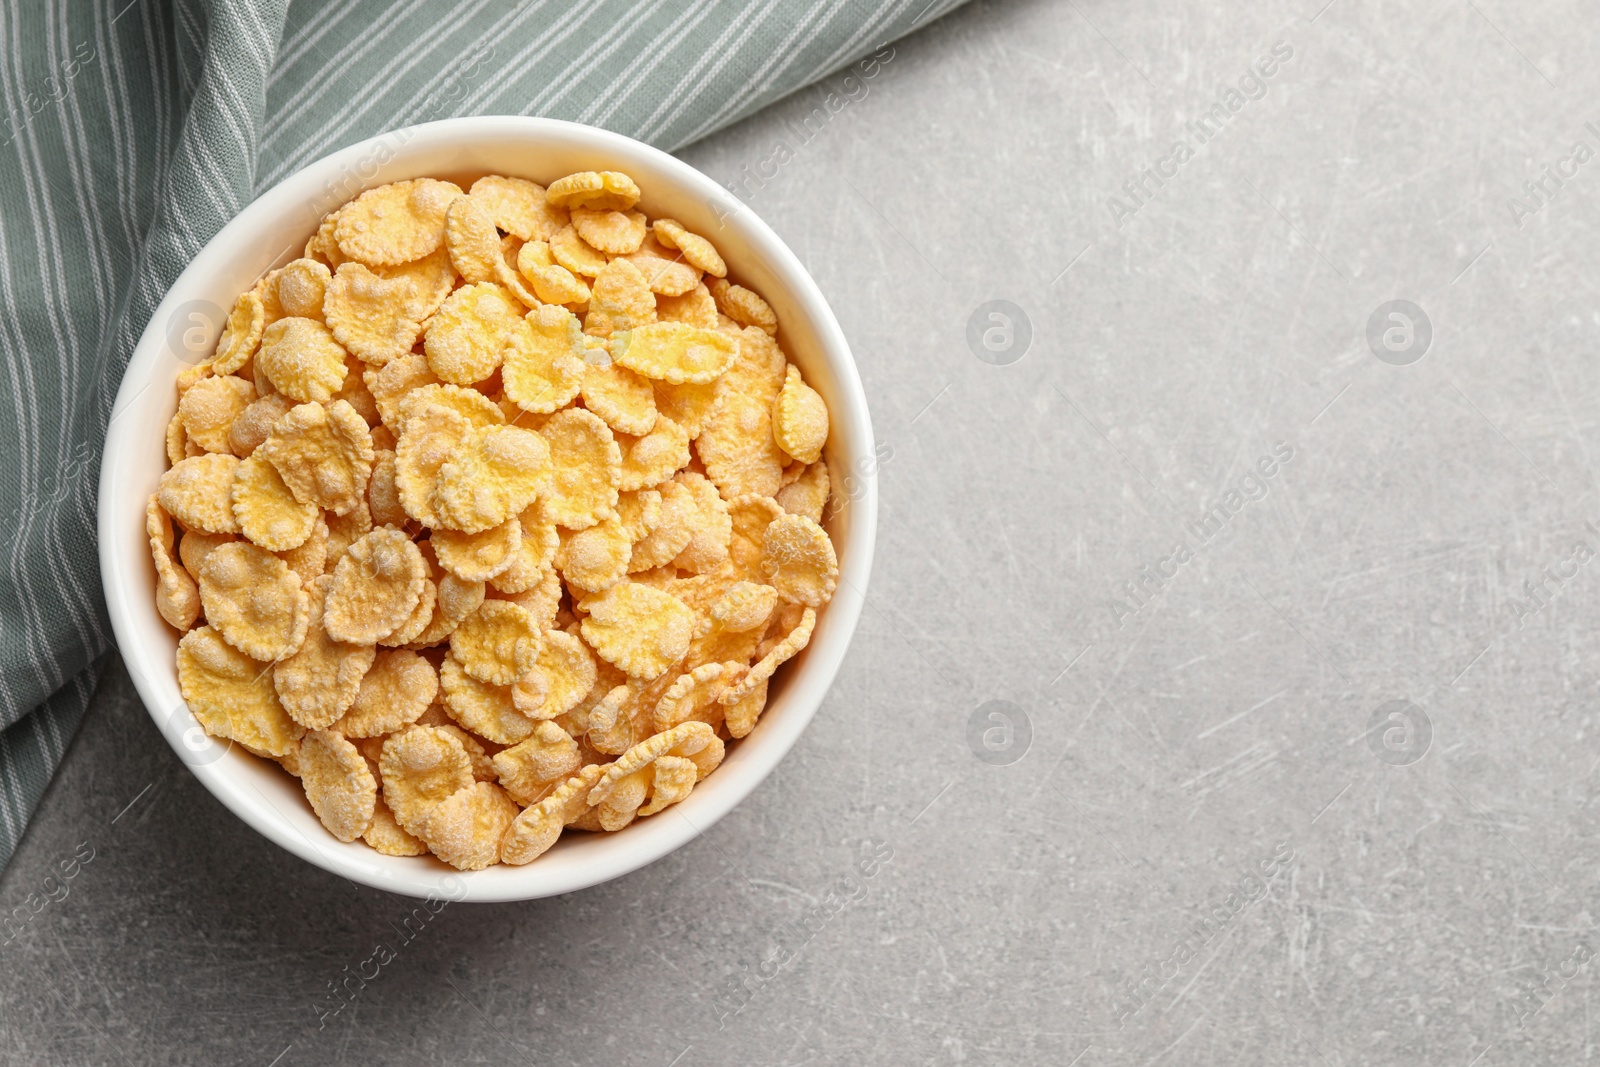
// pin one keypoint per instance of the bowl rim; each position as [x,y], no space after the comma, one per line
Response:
[809,679]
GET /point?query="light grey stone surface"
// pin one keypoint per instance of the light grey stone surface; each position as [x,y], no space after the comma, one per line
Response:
[1413,904]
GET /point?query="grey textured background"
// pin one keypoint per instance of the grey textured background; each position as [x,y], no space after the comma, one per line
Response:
[1172,750]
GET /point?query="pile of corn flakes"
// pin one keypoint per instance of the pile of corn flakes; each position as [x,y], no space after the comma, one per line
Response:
[492,516]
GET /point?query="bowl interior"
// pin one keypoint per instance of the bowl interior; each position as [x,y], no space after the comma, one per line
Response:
[272,231]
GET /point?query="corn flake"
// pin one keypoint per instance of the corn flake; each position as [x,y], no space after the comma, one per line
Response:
[478,557]
[469,403]
[674,779]
[693,697]
[482,764]
[465,829]
[498,473]
[651,459]
[615,233]
[605,190]
[322,246]
[665,271]
[387,838]
[177,597]
[266,291]
[382,437]
[301,287]
[189,376]
[674,352]
[672,533]
[431,437]
[690,406]
[808,494]
[240,334]
[376,585]
[542,600]
[698,251]
[302,360]
[785,649]
[693,742]
[543,360]
[419,619]
[232,695]
[267,512]
[393,694]
[758,372]
[743,306]
[177,441]
[455,600]
[798,559]
[508,276]
[620,299]
[421,767]
[383,495]
[324,453]
[575,254]
[196,546]
[474,244]
[321,678]
[534,555]
[518,207]
[344,531]
[432,278]
[569,674]
[498,643]
[552,283]
[393,382]
[465,337]
[799,419]
[625,716]
[369,314]
[196,492]
[639,630]
[354,392]
[639,512]
[628,794]
[485,708]
[309,559]
[208,410]
[596,558]
[254,601]
[395,223]
[717,645]
[531,769]
[740,717]
[577,719]
[539,826]
[586,468]
[710,529]
[338,783]
[528,693]
[745,607]
[701,590]
[693,308]
[510,248]
[738,449]
[750,515]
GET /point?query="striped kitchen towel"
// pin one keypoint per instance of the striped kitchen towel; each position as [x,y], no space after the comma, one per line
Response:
[132,130]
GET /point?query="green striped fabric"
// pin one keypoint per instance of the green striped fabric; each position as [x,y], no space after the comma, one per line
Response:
[132,130]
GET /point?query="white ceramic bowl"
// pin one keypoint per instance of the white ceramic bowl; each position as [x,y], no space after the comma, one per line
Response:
[270,232]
